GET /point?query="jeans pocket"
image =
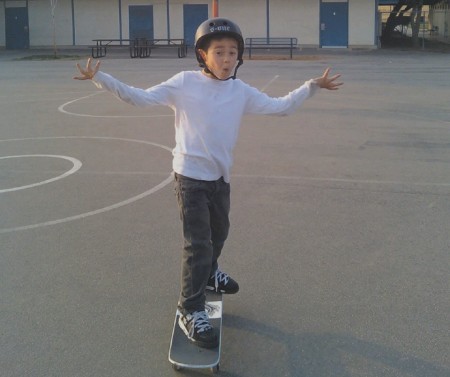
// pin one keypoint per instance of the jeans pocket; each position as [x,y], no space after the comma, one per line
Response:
[186,184]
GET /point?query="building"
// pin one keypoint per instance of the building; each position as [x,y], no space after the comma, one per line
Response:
[315,23]
[440,18]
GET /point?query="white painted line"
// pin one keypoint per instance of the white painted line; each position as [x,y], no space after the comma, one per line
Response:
[170,178]
[62,110]
[89,137]
[100,210]
[340,180]
[76,166]
[92,213]
[263,89]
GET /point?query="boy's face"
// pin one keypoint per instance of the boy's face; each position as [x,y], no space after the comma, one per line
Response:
[221,57]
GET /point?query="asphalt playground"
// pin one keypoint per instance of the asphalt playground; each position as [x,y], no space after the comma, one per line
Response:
[340,222]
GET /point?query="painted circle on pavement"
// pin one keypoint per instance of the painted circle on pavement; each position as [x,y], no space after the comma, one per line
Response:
[100,210]
[76,166]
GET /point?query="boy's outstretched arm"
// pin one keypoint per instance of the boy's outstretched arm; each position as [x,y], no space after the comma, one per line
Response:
[326,82]
[87,73]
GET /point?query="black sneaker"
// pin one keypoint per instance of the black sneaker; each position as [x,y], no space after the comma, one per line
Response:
[220,282]
[197,328]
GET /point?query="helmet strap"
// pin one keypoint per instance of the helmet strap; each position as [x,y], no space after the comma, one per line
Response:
[209,72]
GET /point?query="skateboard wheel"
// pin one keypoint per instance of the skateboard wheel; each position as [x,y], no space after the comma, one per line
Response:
[176,367]
[215,369]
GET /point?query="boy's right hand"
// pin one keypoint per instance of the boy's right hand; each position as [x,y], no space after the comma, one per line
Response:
[328,82]
[88,73]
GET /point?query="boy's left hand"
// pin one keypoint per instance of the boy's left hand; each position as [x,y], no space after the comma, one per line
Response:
[87,73]
[329,83]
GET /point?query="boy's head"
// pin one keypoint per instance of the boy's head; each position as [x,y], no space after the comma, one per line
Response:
[217,29]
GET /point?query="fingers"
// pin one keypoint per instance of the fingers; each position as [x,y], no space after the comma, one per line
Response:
[96,67]
[332,78]
[326,72]
[84,73]
[329,82]
[335,77]
[334,87]
[87,73]
[88,65]
[80,69]
[331,85]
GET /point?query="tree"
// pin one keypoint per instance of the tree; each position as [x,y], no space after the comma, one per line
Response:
[53,4]
[404,13]
[416,17]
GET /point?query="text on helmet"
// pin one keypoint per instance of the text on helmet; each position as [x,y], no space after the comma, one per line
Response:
[220,28]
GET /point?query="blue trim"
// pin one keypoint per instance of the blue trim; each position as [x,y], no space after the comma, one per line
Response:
[387,2]
[73,23]
[168,18]
[377,20]
[120,20]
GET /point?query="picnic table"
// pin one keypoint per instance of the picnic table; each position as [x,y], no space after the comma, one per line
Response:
[138,47]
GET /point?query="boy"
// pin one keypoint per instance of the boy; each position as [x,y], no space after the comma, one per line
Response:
[208,106]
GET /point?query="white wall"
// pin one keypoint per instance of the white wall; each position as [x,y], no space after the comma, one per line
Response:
[249,15]
[296,18]
[299,19]
[100,19]
[96,19]
[361,23]
[288,18]
[440,17]
[41,26]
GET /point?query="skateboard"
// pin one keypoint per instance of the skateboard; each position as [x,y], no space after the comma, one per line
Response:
[184,354]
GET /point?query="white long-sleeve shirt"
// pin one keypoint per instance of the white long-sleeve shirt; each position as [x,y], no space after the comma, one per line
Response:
[208,115]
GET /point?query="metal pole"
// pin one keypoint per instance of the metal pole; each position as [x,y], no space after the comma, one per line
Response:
[120,21]
[168,18]
[73,23]
[215,8]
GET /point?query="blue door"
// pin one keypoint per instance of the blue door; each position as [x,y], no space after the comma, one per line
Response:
[193,16]
[141,21]
[334,24]
[16,28]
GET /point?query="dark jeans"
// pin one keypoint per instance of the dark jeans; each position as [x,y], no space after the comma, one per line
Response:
[204,209]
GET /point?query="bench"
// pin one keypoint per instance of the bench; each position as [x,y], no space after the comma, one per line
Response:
[102,45]
[434,30]
[138,47]
[270,43]
[142,47]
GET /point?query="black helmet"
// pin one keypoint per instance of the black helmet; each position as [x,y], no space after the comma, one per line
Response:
[218,26]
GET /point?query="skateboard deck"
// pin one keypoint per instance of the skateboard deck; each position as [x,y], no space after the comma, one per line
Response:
[184,354]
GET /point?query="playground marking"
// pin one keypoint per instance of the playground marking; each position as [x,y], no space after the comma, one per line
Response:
[100,210]
[76,166]
[63,110]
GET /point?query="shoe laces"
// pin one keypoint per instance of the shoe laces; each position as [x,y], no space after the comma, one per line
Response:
[201,322]
[220,277]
